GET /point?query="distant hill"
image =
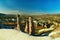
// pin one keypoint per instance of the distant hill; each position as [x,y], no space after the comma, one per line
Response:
[1,14]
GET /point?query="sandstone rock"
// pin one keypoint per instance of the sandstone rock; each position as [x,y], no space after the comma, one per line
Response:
[10,34]
[55,34]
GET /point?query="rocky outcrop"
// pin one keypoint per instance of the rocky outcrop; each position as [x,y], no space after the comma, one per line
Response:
[55,33]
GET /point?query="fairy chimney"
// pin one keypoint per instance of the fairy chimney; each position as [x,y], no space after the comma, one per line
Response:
[30,25]
[26,27]
[18,22]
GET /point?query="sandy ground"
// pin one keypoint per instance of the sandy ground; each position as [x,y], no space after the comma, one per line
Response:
[11,34]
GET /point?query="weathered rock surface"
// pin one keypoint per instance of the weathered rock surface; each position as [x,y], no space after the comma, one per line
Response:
[10,34]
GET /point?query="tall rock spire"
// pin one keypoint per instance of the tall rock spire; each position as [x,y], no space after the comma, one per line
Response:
[30,25]
[26,27]
[18,22]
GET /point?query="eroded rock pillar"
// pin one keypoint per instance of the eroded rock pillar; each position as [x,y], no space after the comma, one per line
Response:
[30,25]
[18,22]
[26,27]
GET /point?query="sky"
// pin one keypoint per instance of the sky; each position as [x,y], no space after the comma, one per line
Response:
[30,6]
